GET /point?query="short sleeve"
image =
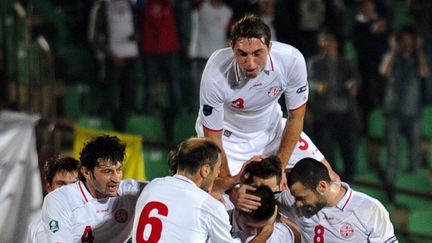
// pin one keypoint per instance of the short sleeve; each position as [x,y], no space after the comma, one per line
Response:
[211,112]
[380,226]
[56,219]
[296,94]
[219,227]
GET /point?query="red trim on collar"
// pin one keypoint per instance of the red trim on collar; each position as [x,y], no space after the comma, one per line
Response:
[82,192]
[271,62]
[349,197]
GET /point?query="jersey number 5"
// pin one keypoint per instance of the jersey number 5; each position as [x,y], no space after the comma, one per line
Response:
[156,223]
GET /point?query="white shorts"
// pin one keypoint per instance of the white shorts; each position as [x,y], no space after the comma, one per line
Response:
[238,152]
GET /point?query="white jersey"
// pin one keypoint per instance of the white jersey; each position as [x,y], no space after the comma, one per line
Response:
[175,209]
[71,214]
[35,233]
[247,110]
[281,232]
[357,217]
[209,29]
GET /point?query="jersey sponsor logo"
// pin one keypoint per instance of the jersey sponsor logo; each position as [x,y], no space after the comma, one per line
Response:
[227,133]
[301,89]
[257,85]
[346,230]
[274,91]
[121,215]
[238,103]
[54,226]
[207,110]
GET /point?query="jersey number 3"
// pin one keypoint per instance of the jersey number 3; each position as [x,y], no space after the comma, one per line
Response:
[156,223]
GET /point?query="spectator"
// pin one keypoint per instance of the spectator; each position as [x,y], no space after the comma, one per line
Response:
[210,22]
[114,38]
[334,80]
[404,65]
[160,49]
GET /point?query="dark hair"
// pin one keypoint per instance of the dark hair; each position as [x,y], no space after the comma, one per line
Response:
[268,204]
[264,169]
[308,172]
[191,154]
[102,147]
[250,26]
[53,165]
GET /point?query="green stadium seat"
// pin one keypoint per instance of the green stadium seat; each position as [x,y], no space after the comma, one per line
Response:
[75,100]
[148,126]
[156,162]
[419,181]
[420,221]
[95,122]
[376,124]
[184,127]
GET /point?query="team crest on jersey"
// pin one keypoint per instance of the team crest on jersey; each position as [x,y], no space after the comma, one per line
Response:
[207,110]
[227,133]
[346,230]
[274,91]
[121,215]
[54,226]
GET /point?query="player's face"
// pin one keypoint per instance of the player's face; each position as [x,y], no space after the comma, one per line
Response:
[207,182]
[251,54]
[105,179]
[270,182]
[63,178]
[309,202]
[250,226]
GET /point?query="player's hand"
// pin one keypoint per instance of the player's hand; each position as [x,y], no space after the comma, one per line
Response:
[244,201]
[283,184]
[241,175]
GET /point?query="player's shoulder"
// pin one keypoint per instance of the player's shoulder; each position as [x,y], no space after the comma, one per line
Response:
[283,50]
[131,186]
[365,206]
[221,59]
[68,196]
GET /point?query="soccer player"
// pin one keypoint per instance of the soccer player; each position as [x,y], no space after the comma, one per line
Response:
[239,93]
[100,207]
[247,224]
[328,211]
[266,172]
[58,172]
[179,208]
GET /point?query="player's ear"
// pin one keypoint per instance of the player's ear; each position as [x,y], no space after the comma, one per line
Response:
[205,170]
[85,172]
[322,187]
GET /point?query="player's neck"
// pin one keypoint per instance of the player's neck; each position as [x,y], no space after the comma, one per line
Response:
[337,192]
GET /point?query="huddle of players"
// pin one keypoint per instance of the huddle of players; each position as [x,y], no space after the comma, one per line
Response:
[179,208]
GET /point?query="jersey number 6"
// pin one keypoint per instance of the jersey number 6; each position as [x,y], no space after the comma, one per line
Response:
[156,223]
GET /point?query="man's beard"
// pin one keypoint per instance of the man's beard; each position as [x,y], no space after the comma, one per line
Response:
[309,211]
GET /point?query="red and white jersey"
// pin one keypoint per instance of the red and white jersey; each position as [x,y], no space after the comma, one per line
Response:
[357,217]
[71,214]
[175,209]
[247,110]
